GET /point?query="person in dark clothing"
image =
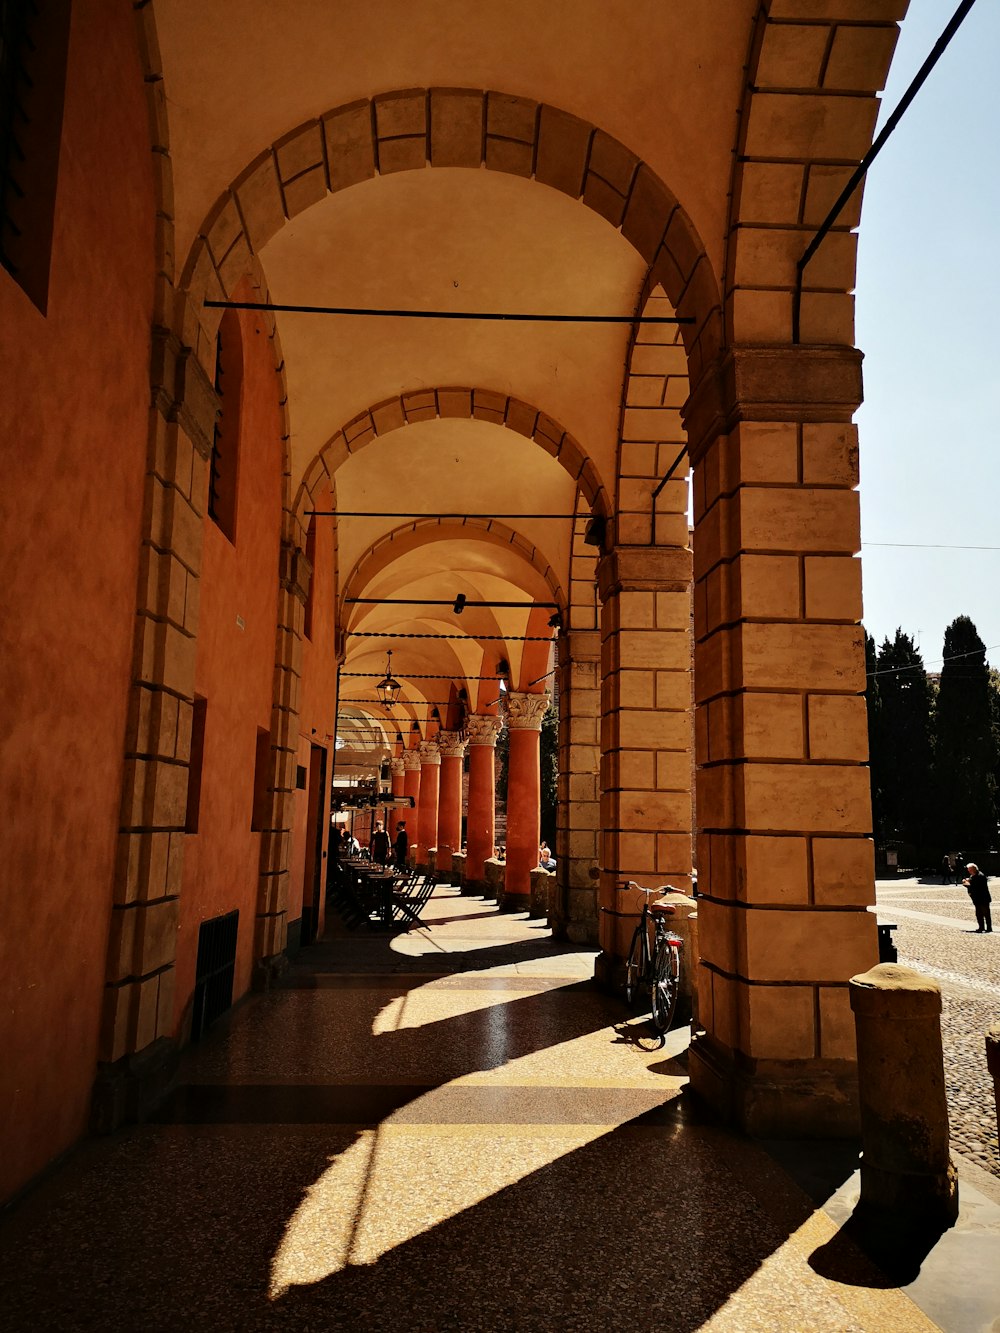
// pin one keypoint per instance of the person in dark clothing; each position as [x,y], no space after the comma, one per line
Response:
[979,892]
[401,847]
[379,846]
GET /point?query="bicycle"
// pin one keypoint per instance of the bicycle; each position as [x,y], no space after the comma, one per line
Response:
[658,969]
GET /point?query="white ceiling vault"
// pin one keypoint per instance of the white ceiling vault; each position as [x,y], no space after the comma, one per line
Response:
[665,79]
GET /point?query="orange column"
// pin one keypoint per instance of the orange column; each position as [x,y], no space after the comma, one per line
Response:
[524,721]
[430,787]
[449,829]
[411,788]
[398,789]
[480,827]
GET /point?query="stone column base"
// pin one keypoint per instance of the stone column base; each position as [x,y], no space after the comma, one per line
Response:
[797,1099]
[129,1090]
[514,902]
[266,971]
[473,888]
[609,973]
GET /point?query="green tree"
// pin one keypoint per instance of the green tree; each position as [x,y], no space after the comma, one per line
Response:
[902,732]
[876,760]
[966,753]
[549,763]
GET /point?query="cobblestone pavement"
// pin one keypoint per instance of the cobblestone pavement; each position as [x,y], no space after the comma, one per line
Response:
[936,933]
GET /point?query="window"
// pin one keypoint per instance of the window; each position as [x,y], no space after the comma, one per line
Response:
[224,474]
[311,557]
[195,765]
[261,781]
[34,41]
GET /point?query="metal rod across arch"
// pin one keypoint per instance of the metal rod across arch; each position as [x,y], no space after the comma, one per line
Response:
[521,317]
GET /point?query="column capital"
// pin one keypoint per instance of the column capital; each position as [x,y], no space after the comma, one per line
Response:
[644,569]
[397,766]
[411,760]
[452,744]
[483,728]
[793,383]
[429,753]
[525,711]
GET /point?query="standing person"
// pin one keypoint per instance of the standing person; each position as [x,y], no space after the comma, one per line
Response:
[979,892]
[379,845]
[947,869]
[401,847]
[960,868]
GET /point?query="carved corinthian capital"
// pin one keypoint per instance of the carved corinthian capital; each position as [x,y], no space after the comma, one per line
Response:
[429,753]
[483,729]
[525,711]
[398,766]
[411,760]
[452,744]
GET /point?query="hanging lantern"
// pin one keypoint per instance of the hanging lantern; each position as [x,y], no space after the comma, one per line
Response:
[388,687]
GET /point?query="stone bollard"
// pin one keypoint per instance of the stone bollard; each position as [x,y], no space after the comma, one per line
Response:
[539,892]
[494,872]
[906,1171]
[993,1064]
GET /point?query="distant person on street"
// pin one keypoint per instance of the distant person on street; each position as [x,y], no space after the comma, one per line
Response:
[979,892]
[960,868]
[947,869]
[401,847]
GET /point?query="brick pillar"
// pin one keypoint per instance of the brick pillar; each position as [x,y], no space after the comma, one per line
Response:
[398,789]
[785,860]
[482,730]
[449,829]
[430,786]
[579,809]
[524,722]
[411,788]
[136,1051]
[646,735]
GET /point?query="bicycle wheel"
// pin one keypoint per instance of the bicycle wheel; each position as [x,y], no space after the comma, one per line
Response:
[666,979]
[633,969]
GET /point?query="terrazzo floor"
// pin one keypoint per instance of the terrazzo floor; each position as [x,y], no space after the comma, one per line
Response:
[452,1129]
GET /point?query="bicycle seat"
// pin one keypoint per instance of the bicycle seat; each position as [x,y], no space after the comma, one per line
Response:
[662,909]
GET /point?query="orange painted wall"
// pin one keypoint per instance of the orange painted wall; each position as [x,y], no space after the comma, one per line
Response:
[234,674]
[317,696]
[74,401]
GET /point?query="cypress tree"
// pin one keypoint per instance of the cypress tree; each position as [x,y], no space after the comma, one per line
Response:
[966,750]
[876,760]
[903,741]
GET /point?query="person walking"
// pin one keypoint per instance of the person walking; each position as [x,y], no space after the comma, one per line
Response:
[979,892]
[960,867]
[947,869]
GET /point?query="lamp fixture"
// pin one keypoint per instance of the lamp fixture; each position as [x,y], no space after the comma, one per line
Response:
[388,687]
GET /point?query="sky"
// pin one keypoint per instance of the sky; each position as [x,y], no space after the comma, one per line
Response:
[928,322]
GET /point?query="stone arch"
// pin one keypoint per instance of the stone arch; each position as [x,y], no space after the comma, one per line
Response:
[414,128]
[473,404]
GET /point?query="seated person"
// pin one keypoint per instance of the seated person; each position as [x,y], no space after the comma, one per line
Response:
[546,861]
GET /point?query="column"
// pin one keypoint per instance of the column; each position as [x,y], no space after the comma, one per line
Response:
[524,722]
[785,863]
[646,736]
[398,789]
[579,809]
[411,788]
[449,829]
[430,785]
[480,833]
